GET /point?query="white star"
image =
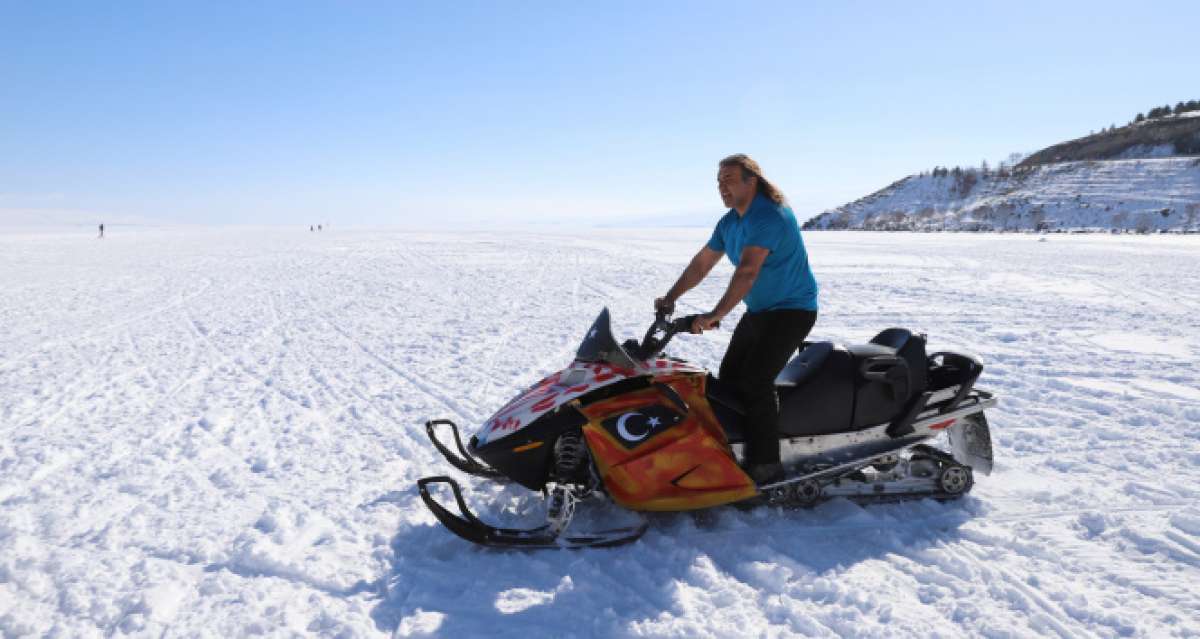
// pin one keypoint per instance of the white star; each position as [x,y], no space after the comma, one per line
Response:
[592,334]
[652,422]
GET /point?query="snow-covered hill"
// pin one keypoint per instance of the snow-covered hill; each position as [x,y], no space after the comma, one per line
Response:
[216,433]
[1142,194]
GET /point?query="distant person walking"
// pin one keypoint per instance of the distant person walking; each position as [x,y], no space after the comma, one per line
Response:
[310,228]
[102,230]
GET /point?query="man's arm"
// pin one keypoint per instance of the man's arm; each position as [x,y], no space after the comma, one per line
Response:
[696,271]
[743,280]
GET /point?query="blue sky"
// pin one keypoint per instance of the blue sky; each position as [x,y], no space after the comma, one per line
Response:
[473,114]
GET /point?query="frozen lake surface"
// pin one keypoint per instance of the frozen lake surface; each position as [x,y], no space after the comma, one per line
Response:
[217,433]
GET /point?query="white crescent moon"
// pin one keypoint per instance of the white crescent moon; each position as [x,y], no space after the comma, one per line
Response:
[624,432]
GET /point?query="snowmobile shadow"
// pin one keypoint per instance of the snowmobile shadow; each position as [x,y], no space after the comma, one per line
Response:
[440,585]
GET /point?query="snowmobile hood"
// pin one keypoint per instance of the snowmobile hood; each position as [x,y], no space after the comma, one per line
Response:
[600,361]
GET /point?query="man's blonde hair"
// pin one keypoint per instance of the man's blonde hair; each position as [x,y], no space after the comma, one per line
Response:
[750,168]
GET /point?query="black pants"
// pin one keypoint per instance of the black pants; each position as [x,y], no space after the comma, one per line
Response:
[761,346]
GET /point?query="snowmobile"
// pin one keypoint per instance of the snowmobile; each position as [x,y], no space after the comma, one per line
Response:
[649,432]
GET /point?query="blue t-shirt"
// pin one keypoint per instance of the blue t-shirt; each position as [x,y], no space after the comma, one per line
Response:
[786,280]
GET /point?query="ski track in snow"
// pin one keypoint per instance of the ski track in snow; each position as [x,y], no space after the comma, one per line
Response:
[217,433]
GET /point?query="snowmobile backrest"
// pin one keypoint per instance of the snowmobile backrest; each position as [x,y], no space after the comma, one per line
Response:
[892,337]
[802,366]
[883,383]
[912,349]
[889,370]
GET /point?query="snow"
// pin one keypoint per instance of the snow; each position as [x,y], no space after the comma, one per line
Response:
[217,432]
[1147,151]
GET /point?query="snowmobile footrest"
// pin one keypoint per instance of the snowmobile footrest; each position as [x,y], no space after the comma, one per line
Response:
[463,461]
[471,528]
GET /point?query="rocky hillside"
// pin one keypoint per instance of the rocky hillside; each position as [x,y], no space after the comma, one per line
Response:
[1174,135]
[1142,177]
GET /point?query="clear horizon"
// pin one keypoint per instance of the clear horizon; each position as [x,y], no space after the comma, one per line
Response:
[481,115]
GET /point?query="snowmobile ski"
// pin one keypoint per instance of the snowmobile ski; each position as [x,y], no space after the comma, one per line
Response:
[553,534]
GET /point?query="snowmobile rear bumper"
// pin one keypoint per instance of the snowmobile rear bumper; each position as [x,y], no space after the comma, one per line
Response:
[471,528]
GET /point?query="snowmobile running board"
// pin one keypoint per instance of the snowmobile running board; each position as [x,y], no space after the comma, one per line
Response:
[472,529]
[464,461]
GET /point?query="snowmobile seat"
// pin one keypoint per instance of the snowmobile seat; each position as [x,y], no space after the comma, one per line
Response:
[823,401]
[803,366]
[865,351]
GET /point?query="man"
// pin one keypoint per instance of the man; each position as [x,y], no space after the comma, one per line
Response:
[762,239]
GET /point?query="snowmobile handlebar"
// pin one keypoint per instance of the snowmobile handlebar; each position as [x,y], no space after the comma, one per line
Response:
[653,343]
[682,324]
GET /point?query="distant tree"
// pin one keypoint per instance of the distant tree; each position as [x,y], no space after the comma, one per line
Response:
[1140,117]
[1188,145]
[983,168]
[1180,107]
[964,182]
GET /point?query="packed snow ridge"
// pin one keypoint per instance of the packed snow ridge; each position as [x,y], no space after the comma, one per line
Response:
[1145,194]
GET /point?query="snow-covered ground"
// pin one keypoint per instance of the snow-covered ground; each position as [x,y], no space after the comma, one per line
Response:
[217,433]
[1146,194]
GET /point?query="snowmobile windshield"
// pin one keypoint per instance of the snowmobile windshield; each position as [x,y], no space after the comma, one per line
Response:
[599,345]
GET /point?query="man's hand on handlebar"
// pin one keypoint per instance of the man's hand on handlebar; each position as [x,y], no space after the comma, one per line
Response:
[705,322]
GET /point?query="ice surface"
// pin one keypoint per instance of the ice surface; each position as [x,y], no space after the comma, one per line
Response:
[217,433]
